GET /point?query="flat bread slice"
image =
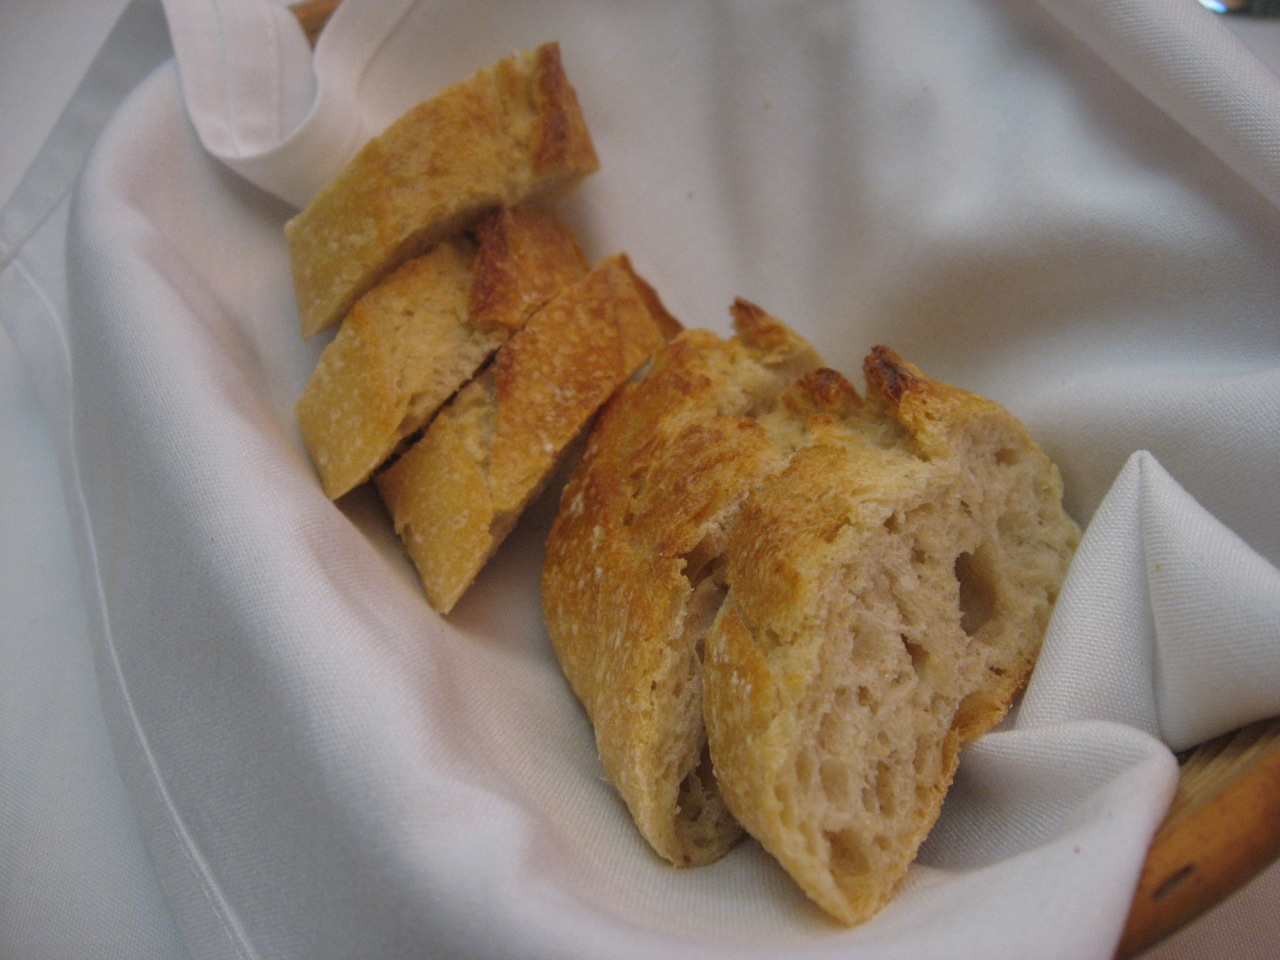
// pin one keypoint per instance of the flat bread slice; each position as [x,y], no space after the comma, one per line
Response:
[888,591]
[456,494]
[632,573]
[415,338]
[512,131]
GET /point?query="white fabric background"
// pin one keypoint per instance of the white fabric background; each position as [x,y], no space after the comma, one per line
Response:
[1042,204]
[74,878]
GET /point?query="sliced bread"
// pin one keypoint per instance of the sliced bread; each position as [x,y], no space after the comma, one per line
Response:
[455,494]
[632,574]
[784,605]
[512,131]
[888,591]
[415,338]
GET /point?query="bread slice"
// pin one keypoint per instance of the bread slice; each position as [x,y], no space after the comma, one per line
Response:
[414,339]
[888,591]
[512,131]
[455,494]
[785,605]
[632,573]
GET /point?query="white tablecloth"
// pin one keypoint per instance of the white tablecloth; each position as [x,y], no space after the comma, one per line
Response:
[74,877]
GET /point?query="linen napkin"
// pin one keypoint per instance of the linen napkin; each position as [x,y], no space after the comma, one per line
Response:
[323,767]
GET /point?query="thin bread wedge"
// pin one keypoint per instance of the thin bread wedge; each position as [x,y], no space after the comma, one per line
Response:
[510,132]
[456,494]
[888,591]
[415,338]
[632,573]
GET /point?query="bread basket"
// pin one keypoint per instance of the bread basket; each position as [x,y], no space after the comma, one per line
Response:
[1223,826]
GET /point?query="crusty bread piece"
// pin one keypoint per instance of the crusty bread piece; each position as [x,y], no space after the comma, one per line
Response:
[512,131]
[455,494]
[631,576]
[415,338]
[527,257]
[888,593]
[838,590]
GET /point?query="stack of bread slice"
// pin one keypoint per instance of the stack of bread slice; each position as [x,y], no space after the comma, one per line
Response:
[456,493]
[785,604]
[476,339]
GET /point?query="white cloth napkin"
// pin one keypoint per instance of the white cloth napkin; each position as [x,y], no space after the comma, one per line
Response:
[1033,202]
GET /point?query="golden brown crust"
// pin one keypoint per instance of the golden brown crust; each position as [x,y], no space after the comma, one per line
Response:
[511,131]
[560,140]
[527,256]
[418,336]
[455,495]
[870,579]
[566,366]
[403,350]
[630,581]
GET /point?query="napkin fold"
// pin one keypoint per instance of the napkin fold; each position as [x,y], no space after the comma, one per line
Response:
[1167,621]
[259,101]
[323,767]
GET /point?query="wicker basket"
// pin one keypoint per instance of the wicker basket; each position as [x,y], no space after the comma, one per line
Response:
[1222,828]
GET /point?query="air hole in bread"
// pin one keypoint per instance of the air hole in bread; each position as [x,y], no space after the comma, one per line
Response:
[832,738]
[706,597]
[835,779]
[977,591]
[886,795]
[920,657]
[923,758]
[702,814]
[848,858]
[701,562]
[805,768]
[843,699]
